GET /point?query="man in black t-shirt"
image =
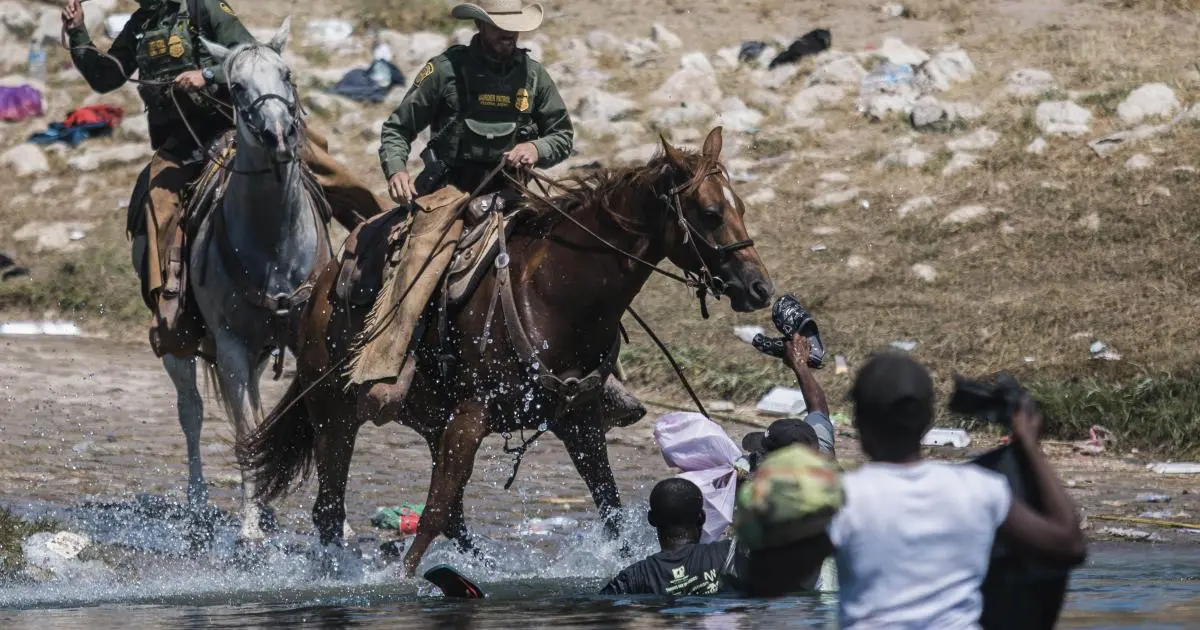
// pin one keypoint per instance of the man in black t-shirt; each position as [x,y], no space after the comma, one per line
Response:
[684,566]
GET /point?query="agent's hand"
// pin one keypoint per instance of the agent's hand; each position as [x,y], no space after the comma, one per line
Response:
[190,81]
[1027,424]
[72,15]
[400,187]
[522,155]
[796,352]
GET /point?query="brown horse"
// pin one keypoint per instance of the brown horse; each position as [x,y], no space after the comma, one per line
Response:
[569,292]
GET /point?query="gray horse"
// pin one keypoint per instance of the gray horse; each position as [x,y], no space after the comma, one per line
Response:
[250,256]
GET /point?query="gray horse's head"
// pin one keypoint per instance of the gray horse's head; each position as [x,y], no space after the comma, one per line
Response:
[264,97]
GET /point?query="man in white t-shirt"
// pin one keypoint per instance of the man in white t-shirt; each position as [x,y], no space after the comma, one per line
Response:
[913,540]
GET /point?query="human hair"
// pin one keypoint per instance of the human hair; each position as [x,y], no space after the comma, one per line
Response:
[893,432]
[676,508]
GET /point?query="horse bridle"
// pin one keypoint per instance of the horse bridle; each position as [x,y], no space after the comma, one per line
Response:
[705,280]
[252,114]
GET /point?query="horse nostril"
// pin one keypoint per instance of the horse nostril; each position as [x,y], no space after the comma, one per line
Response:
[761,291]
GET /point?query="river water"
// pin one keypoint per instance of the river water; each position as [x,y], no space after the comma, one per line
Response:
[143,578]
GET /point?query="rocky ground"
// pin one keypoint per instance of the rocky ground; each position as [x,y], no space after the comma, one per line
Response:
[1003,183]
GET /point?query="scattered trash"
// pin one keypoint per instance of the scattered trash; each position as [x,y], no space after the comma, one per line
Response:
[810,43]
[1131,534]
[93,121]
[329,33]
[1163,514]
[819,247]
[866,204]
[1099,438]
[1149,497]
[720,406]
[57,329]
[37,60]
[403,519]
[1029,359]
[893,10]
[546,526]
[371,84]
[839,365]
[1175,468]
[782,401]
[751,51]
[115,23]
[888,78]
[905,345]
[9,268]
[705,456]
[957,438]
[748,333]
[20,103]
[1100,351]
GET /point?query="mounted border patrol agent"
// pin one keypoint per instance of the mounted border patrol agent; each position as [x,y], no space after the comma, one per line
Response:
[484,103]
[162,43]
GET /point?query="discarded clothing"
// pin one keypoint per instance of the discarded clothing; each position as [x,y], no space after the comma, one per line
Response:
[701,449]
[811,43]
[20,103]
[403,519]
[10,269]
[370,84]
[93,121]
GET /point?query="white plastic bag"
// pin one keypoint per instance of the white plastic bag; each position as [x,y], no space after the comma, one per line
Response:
[701,449]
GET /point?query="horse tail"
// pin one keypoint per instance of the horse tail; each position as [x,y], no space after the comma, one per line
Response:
[281,449]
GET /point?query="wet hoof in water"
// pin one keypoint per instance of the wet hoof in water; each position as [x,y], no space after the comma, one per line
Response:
[249,554]
[338,561]
[626,550]
[267,522]
[392,550]
[201,526]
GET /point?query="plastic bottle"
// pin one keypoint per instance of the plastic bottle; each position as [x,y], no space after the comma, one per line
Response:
[37,60]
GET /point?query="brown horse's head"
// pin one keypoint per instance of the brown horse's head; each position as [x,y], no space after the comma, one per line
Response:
[706,231]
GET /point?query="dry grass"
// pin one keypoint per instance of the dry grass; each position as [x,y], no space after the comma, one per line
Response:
[13,532]
[406,17]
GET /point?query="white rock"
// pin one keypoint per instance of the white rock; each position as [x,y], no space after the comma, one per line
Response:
[17,20]
[775,78]
[964,111]
[856,262]
[136,127]
[837,69]
[697,61]
[959,162]
[93,159]
[688,85]
[966,214]
[51,235]
[736,117]
[825,230]
[810,99]
[639,51]
[727,57]
[914,205]
[766,99]
[928,112]
[24,160]
[949,66]
[977,140]
[1139,162]
[639,154]
[760,196]
[1056,118]
[664,37]
[420,47]
[897,52]
[43,186]
[879,106]
[1090,222]
[604,41]
[838,198]
[1029,83]
[893,10]
[329,34]
[683,114]
[834,177]
[1150,100]
[598,104]
[924,272]
[1038,146]
[907,157]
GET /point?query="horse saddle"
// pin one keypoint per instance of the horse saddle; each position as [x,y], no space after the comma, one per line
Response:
[375,246]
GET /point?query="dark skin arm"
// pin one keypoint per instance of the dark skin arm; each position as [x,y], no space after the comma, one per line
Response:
[1056,533]
[796,357]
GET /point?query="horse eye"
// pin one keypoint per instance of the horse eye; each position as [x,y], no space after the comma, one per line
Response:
[712,217]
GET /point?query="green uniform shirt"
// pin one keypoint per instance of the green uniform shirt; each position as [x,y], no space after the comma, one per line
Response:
[434,101]
[158,45]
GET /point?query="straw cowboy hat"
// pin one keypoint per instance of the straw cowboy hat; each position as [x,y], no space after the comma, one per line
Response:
[509,15]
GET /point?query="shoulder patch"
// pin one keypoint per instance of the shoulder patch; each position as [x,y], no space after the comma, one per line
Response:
[226,8]
[423,74]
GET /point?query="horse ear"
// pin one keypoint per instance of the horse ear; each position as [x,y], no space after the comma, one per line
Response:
[712,144]
[669,150]
[218,51]
[281,36]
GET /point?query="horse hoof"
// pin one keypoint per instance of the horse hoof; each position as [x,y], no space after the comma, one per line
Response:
[201,526]
[267,521]
[249,554]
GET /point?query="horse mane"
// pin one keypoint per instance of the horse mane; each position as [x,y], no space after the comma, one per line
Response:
[598,190]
